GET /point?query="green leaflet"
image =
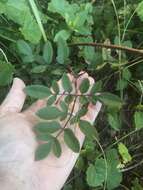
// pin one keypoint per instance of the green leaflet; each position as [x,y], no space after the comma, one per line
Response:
[42,151]
[55,87]
[64,34]
[123,150]
[110,100]
[6,73]
[138,119]
[39,69]
[44,137]
[57,150]
[66,83]
[48,52]
[37,91]
[114,120]
[49,113]
[24,48]
[84,86]
[51,100]
[87,129]
[71,140]
[48,127]
[63,51]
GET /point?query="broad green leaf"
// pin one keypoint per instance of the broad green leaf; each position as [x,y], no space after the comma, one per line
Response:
[96,173]
[49,113]
[63,51]
[110,100]
[87,129]
[113,171]
[57,148]
[48,127]
[66,83]
[37,91]
[138,118]
[55,87]
[43,151]
[19,12]
[48,52]
[71,140]
[84,86]
[6,73]
[114,120]
[64,108]
[44,137]
[123,150]
[24,48]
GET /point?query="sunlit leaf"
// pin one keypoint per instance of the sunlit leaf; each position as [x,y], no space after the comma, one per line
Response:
[124,152]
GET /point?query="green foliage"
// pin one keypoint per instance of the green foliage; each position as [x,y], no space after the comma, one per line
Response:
[87,129]
[138,118]
[118,79]
[110,100]
[48,52]
[71,140]
[49,113]
[6,73]
[96,174]
[123,150]
[66,83]
[48,127]
[63,51]
[42,151]
[37,91]
[19,12]
[84,86]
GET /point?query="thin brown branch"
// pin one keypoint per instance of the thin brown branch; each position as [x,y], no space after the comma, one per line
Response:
[110,46]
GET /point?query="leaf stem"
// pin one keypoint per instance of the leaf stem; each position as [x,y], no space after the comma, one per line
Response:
[110,46]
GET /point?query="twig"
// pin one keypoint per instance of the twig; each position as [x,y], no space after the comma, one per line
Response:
[110,46]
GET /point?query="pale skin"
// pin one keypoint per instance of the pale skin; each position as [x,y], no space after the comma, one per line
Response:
[18,169]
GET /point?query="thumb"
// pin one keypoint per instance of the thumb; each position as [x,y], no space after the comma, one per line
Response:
[15,99]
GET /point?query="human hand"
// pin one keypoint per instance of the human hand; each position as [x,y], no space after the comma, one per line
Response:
[18,169]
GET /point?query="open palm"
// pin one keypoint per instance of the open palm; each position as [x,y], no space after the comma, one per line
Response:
[18,169]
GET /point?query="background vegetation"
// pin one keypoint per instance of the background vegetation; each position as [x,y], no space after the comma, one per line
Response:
[63,28]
